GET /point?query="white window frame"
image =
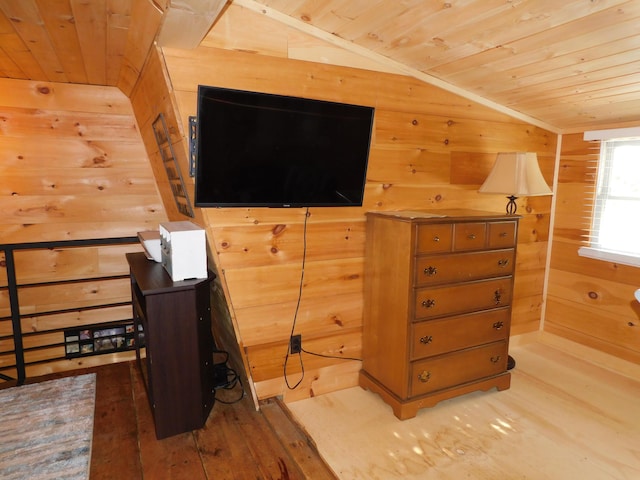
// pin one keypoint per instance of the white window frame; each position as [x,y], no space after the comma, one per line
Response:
[594,250]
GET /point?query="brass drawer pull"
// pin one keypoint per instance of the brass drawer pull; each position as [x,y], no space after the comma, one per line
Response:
[497,296]
[426,340]
[503,234]
[503,262]
[498,325]
[471,236]
[430,271]
[428,303]
[436,238]
[425,376]
[495,359]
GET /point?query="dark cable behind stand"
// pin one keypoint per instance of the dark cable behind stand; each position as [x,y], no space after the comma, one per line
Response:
[295,318]
[224,377]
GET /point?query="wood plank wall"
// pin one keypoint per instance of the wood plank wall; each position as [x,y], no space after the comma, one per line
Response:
[151,97]
[588,301]
[431,150]
[72,166]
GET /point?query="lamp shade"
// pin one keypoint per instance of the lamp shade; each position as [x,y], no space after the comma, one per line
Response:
[517,174]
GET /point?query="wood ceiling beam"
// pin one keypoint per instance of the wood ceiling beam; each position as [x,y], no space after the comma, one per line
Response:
[186,22]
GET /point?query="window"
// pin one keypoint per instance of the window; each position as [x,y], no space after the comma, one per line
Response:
[615,227]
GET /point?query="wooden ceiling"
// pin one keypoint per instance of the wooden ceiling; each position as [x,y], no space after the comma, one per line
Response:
[569,65]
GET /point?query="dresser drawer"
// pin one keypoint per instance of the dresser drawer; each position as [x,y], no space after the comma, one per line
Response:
[463,267]
[458,368]
[462,298]
[502,234]
[435,337]
[434,238]
[469,236]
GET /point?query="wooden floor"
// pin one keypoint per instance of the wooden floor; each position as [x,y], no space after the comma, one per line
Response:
[564,417]
[237,443]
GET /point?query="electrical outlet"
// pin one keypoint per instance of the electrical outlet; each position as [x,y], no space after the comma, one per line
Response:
[295,344]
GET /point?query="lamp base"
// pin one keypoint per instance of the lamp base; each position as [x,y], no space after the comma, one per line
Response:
[511,205]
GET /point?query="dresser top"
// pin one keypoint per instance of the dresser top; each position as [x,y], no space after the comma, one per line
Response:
[437,216]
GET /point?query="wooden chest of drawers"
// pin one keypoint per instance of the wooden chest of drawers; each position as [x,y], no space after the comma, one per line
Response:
[438,290]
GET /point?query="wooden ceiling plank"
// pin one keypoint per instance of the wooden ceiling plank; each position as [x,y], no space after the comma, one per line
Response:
[526,19]
[578,78]
[551,46]
[9,68]
[608,56]
[147,17]
[60,24]
[420,35]
[17,61]
[91,23]
[350,12]
[30,27]
[118,24]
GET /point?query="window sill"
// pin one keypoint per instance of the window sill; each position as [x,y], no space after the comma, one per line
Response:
[608,256]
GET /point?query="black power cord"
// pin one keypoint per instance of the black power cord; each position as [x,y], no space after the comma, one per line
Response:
[295,318]
[225,378]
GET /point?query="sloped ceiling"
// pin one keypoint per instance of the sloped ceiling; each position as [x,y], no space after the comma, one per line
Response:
[570,65]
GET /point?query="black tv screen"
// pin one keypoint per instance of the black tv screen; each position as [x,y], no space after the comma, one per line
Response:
[264,150]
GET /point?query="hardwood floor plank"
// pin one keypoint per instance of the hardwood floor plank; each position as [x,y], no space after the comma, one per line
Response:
[295,440]
[175,458]
[563,417]
[115,432]
[241,436]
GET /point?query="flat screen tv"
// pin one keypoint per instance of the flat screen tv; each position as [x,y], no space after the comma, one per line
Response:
[264,150]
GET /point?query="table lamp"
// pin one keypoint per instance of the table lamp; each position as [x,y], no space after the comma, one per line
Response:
[516,174]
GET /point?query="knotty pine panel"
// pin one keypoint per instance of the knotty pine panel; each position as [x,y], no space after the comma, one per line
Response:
[73,181]
[608,332]
[316,317]
[64,296]
[50,265]
[63,97]
[276,284]
[275,244]
[75,319]
[408,165]
[525,314]
[91,24]
[105,208]
[531,255]
[337,376]
[251,217]
[597,293]
[75,153]
[21,122]
[147,18]
[564,257]
[248,71]
[266,359]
